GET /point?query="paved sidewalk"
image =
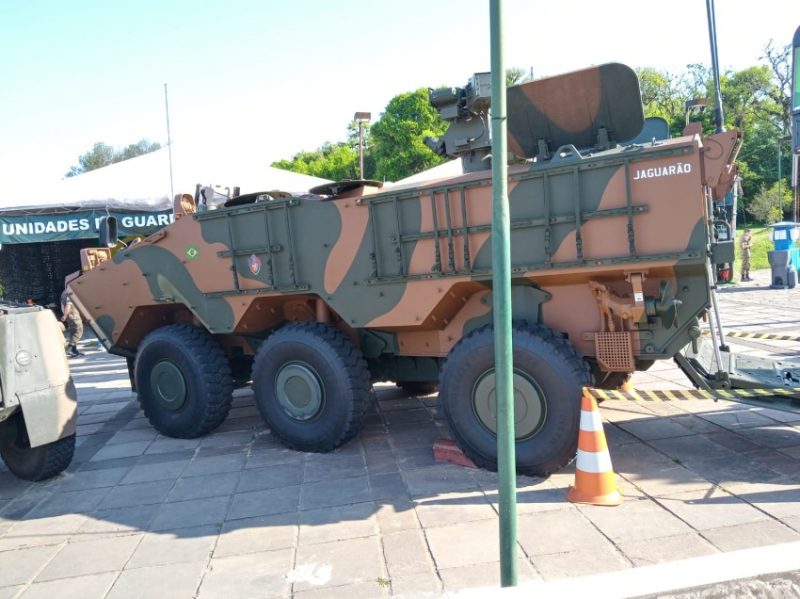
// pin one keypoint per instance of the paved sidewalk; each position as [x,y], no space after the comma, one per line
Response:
[235,514]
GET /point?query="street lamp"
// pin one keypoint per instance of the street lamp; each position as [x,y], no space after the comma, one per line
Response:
[361,118]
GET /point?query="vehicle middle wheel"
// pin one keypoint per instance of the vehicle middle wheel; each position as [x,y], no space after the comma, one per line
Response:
[312,386]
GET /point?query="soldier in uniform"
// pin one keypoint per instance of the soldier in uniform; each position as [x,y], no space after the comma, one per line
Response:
[746,245]
[74,324]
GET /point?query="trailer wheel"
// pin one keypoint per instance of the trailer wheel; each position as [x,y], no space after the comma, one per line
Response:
[548,377]
[419,387]
[312,386]
[183,381]
[34,463]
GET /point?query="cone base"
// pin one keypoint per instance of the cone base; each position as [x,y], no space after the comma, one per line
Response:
[610,499]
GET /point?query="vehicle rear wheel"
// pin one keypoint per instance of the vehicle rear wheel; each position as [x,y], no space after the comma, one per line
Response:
[34,463]
[183,381]
[419,387]
[548,377]
[312,386]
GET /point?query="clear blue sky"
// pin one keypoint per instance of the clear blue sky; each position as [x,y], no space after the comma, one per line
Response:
[277,77]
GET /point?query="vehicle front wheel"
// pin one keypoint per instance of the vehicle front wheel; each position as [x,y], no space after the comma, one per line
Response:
[183,380]
[548,377]
[34,463]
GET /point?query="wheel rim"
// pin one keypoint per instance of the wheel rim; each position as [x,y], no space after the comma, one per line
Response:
[169,385]
[530,410]
[300,391]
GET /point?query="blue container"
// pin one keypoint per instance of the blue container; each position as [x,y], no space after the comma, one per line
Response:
[784,235]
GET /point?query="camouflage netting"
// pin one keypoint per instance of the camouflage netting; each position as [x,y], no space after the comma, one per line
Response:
[37,270]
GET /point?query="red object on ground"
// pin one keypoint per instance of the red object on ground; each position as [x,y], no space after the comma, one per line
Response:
[446,450]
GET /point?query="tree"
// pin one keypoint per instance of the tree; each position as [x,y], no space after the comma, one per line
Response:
[768,206]
[397,138]
[331,161]
[517,75]
[102,155]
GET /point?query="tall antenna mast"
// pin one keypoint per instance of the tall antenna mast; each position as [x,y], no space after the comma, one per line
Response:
[169,144]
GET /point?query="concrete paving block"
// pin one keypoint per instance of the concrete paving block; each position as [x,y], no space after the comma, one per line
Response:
[774,435]
[176,546]
[10,592]
[92,479]
[737,420]
[751,534]
[780,500]
[338,523]
[486,574]
[389,486]
[11,487]
[648,552]
[334,564]
[137,494]
[320,467]
[455,545]
[22,565]
[211,464]
[540,498]
[557,532]
[634,520]
[580,562]
[198,487]
[454,508]
[185,514]
[272,477]
[90,557]
[665,482]
[406,553]
[427,585]
[261,574]
[381,462]
[239,438]
[129,436]
[254,535]
[167,581]
[121,450]
[169,445]
[792,452]
[270,456]
[378,588]
[334,493]
[70,502]
[656,427]
[118,521]
[53,530]
[264,503]
[729,472]
[683,448]
[145,472]
[711,509]
[397,515]
[439,479]
[80,587]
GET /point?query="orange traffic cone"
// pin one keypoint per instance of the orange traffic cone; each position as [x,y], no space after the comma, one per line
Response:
[595,481]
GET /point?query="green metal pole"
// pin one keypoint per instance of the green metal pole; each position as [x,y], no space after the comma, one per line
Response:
[501,291]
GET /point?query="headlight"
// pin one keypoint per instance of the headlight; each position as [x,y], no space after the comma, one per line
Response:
[23,358]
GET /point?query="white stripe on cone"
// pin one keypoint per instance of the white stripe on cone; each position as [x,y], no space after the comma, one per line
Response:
[591,421]
[593,462]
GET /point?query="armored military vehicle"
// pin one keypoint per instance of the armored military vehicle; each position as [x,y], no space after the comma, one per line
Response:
[318,295]
[38,402]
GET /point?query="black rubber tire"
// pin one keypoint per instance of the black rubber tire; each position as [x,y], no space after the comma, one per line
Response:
[543,357]
[206,375]
[37,463]
[340,371]
[419,387]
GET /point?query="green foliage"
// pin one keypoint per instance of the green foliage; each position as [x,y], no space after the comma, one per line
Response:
[331,161]
[102,155]
[517,75]
[770,205]
[397,138]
